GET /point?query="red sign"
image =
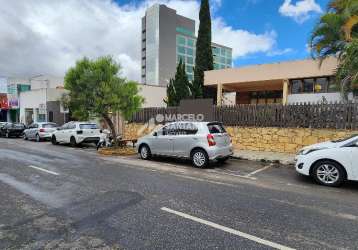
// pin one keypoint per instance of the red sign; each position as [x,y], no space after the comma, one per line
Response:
[3,102]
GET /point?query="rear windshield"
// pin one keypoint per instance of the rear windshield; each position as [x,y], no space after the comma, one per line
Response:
[216,128]
[88,126]
[17,125]
[49,125]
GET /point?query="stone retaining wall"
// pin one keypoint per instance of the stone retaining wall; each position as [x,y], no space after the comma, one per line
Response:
[271,139]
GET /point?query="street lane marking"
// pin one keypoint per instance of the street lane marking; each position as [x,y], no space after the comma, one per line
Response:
[228,230]
[44,170]
[258,171]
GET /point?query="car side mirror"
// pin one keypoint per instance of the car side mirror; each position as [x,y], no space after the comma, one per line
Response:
[155,134]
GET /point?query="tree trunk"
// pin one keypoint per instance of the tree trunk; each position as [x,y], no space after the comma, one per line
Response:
[111,126]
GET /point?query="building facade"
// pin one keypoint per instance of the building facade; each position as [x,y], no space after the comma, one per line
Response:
[42,103]
[168,38]
[285,82]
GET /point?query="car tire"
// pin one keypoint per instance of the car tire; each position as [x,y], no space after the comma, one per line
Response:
[199,158]
[144,152]
[329,173]
[25,137]
[38,139]
[73,142]
[53,140]
[223,160]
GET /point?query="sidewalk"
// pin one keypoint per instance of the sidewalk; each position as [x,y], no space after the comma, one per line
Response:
[283,158]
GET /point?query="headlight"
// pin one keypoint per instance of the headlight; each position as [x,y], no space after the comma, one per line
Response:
[307,151]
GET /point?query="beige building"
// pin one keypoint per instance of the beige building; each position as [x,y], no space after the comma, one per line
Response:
[284,82]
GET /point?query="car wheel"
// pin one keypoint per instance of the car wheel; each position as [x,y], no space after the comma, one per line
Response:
[53,140]
[199,158]
[144,152]
[25,137]
[329,173]
[223,160]
[38,139]
[73,142]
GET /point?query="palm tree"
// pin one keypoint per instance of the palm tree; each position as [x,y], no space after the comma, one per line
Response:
[336,34]
[348,10]
[335,29]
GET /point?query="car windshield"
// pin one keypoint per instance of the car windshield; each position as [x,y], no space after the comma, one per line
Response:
[345,139]
[17,125]
[49,125]
[216,128]
[88,126]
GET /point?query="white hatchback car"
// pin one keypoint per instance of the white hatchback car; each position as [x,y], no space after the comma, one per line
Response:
[77,132]
[330,163]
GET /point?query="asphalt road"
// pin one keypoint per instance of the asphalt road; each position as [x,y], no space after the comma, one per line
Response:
[57,197]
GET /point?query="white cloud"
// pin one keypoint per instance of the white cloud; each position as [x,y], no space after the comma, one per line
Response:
[49,36]
[280,52]
[243,42]
[299,11]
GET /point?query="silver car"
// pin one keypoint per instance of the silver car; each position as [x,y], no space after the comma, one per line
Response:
[199,141]
[40,131]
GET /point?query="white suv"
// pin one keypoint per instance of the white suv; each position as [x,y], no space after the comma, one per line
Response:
[77,132]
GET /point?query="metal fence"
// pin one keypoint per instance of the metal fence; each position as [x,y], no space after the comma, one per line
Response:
[332,115]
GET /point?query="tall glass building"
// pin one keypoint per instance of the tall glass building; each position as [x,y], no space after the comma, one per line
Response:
[168,38]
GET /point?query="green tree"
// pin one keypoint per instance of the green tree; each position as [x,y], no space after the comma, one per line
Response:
[179,88]
[97,90]
[347,73]
[336,34]
[204,56]
[335,29]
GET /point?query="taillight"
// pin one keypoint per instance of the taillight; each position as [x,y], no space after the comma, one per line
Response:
[42,130]
[211,140]
[79,132]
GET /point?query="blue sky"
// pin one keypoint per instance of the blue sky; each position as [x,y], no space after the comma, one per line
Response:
[260,16]
[259,31]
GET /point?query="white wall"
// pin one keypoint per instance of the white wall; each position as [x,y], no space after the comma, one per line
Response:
[34,98]
[154,95]
[316,97]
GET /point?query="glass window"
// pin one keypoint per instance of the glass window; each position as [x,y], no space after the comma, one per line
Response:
[88,126]
[180,40]
[49,125]
[333,86]
[189,60]
[308,85]
[190,42]
[228,61]
[223,52]
[321,85]
[228,53]
[223,60]
[181,49]
[216,128]
[189,69]
[190,77]
[296,86]
[216,51]
[189,51]
[180,57]
[216,66]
